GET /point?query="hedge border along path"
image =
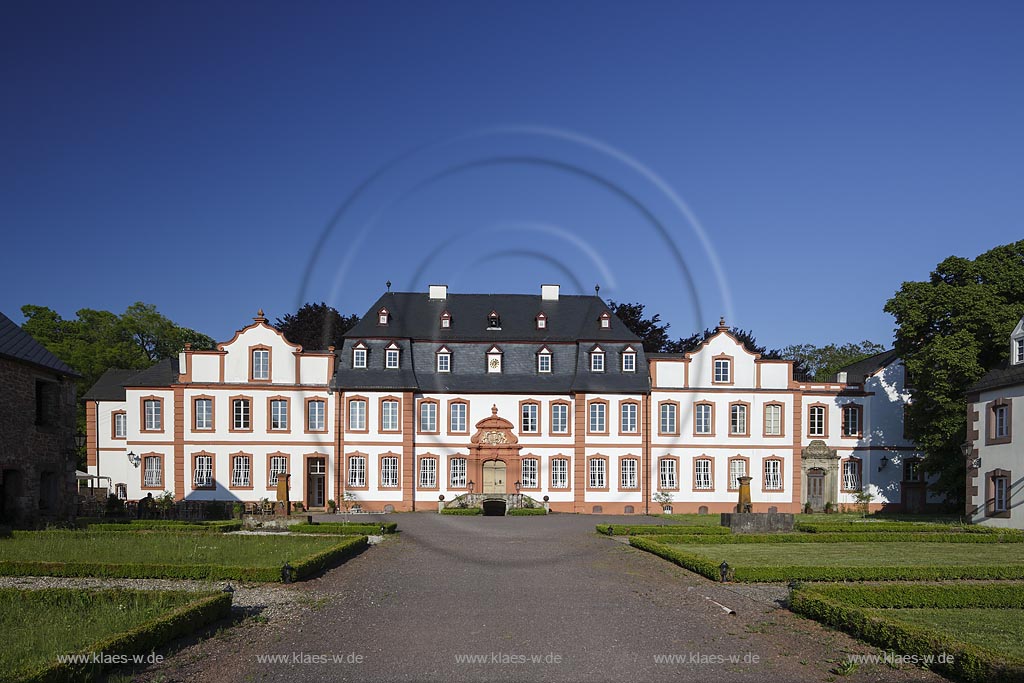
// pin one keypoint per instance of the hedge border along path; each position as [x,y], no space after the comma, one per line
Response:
[880,537]
[844,607]
[304,568]
[651,530]
[914,527]
[707,568]
[343,528]
[147,525]
[181,621]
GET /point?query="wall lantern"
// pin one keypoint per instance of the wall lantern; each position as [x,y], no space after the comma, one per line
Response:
[134,459]
[883,463]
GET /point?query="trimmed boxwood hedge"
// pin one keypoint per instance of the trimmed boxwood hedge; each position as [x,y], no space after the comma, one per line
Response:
[882,537]
[343,528]
[916,527]
[844,608]
[183,621]
[461,511]
[650,529]
[160,525]
[526,512]
[304,568]
[705,567]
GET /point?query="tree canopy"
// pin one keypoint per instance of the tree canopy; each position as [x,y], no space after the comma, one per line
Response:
[316,326]
[951,329]
[821,363]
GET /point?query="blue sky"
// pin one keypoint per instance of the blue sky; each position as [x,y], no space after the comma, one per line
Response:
[193,155]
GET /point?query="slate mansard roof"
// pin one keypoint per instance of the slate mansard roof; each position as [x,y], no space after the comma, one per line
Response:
[857,372]
[1003,375]
[17,344]
[111,384]
[573,329]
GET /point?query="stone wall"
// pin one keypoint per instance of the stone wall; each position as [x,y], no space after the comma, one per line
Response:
[37,458]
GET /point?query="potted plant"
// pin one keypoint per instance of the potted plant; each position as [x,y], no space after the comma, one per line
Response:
[331,506]
[664,499]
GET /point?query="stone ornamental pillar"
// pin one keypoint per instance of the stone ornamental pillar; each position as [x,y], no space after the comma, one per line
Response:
[744,504]
[282,495]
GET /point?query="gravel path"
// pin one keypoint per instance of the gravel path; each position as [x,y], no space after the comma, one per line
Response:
[532,599]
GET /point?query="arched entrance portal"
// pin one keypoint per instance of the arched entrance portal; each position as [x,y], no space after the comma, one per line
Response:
[494,476]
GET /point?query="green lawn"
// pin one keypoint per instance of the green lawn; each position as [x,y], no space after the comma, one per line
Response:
[690,520]
[38,626]
[158,547]
[998,630]
[858,554]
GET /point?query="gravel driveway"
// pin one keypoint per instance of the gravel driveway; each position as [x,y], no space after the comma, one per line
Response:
[521,599]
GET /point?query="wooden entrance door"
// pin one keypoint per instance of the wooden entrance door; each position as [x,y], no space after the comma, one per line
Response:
[816,489]
[494,476]
[316,480]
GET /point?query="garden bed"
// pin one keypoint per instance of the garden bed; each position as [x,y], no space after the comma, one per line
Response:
[165,554]
[360,528]
[39,626]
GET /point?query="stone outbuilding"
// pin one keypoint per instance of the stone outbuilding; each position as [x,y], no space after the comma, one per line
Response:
[37,433]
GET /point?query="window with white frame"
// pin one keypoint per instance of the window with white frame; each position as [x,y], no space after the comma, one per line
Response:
[606,320]
[428,417]
[542,321]
[773,475]
[702,474]
[389,471]
[628,418]
[851,421]
[1020,351]
[153,472]
[446,320]
[737,419]
[278,414]
[559,473]
[444,361]
[668,418]
[241,413]
[278,466]
[773,420]
[389,416]
[702,418]
[315,416]
[598,475]
[357,415]
[457,473]
[629,360]
[261,364]
[428,472]
[816,421]
[391,358]
[1000,494]
[357,470]
[559,418]
[494,360]
[1000,415]
[153,414]
[851,475]
[203,476]
[529,479]
[241,470]
[544,361]
[667,474]
[723,371]
[121,491]
[627,467]
[120,425]
[737,469]
[383,316]
[530,421]
[597,360]
[598,418]
[912,470]
[359,357]
[457,417]
[204,413]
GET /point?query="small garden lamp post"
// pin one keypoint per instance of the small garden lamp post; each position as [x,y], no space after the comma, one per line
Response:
[518,486]
[723,571]
[470,487]
[79,440]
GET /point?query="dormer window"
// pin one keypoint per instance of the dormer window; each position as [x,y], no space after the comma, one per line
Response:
[383,316]
[722,371]
[444,359]
[494,359]
[597,359]
[391,356]
[542,321]
[261,364]
[493,321]
[359,355]
[446,320]
[544,360]
[628,359]
[606,320]
[1018,351]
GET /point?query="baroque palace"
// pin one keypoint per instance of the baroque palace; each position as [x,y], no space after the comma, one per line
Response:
[436,394]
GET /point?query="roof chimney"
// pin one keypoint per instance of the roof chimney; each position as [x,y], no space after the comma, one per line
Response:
[549,292]
[841,377]
[438,291]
